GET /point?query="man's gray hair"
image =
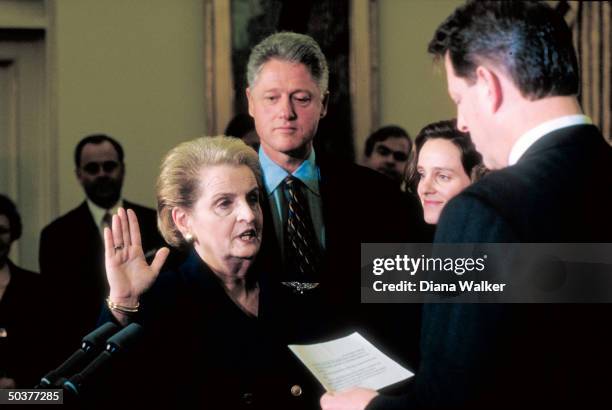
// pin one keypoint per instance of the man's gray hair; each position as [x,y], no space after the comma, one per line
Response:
[291,47]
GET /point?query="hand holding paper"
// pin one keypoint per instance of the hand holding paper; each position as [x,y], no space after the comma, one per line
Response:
[350,361]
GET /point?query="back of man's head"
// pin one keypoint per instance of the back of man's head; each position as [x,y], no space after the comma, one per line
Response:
[528,40]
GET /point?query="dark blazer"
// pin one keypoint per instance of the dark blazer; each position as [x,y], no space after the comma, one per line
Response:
[204,352]
[504,356]
[359,205]
[21,321]
[72,267]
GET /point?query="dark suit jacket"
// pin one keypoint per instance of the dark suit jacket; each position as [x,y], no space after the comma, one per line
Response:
[21,318]
[204,352]
[508,356]
[72,268]
[359,205]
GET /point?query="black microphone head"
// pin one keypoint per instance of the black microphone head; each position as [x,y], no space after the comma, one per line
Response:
[91,345]
[124,339]
[116,345]
[99,336]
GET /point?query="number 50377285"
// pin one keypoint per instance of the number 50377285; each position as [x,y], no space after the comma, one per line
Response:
[22,396]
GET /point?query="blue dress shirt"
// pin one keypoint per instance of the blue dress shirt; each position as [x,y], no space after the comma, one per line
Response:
[273,176]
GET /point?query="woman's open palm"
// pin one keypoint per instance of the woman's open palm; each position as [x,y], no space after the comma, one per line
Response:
[128,273]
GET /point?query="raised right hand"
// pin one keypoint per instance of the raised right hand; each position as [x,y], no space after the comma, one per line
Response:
[127,271]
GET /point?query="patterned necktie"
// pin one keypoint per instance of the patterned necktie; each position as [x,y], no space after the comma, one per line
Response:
[302,249]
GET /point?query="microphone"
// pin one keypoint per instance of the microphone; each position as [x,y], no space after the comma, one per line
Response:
[91,345]
[116,345]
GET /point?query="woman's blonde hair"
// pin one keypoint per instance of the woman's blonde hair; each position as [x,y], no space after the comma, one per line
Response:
[179,182]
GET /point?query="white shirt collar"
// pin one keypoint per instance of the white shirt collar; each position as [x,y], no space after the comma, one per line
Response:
[98,213]
[530,137]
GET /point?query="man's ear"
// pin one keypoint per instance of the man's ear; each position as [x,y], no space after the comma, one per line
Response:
[324,104]
[181,220]
[490,88]
[249,98]
[79,174]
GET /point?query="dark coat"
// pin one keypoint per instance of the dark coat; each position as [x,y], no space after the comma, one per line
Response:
[72,268]
[21,321]
[510,356]
[202,351]
[359,205]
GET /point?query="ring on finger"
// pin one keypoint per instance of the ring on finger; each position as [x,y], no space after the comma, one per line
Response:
[118,247]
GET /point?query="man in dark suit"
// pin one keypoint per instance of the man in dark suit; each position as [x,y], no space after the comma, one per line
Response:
[513,74]
[71,247]
[317,210]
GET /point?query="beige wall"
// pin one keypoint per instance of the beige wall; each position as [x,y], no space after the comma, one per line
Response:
[412,88]
[135,70]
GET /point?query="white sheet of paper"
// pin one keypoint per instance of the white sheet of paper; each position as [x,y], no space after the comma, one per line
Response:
[350,361]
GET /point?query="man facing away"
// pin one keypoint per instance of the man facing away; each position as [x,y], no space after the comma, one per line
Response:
[71,247]
[513,74]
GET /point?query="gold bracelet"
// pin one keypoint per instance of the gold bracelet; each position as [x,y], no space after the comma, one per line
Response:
[122,308]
